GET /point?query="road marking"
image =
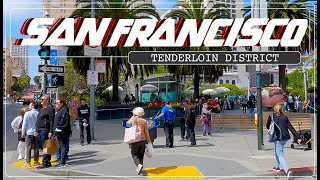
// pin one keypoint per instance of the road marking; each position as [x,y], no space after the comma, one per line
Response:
[183,172]
[22,162]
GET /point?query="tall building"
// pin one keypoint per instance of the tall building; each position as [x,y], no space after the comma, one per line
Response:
[7,72]
[57,8]
[20,55]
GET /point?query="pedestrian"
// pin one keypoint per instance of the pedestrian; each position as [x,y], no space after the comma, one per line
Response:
[312,102]
[138,148]
[281,126]
[62,129]
[133,99]
[291,102]
[44,128]
[206,120]
[168,115]
[244,104]
[285,103]
[251,105]
[127,99]
[190,117]
[183,124]
[16,125]
[83,116]
[297,103]
[30,134]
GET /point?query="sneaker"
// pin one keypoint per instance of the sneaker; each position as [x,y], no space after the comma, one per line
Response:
[209,134]
[289,175]
[27,165]
[276,169]
[139,169]
[20,158]
[82,144]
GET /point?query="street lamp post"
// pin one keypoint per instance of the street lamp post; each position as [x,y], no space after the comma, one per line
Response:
[92,103]
[44,85]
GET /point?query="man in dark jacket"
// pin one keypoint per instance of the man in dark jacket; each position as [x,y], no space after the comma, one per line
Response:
[62,129]
[251,105]
[190,117]
[84,115]
[44,127]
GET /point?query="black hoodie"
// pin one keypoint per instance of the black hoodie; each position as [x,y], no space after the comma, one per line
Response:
[190,116]
[84,112]
[62,122]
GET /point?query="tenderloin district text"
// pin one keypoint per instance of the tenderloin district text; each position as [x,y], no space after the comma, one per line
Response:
[214,58]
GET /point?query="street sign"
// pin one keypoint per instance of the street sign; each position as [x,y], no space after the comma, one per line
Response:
[89,51]
[92,77]
[57,80]
[51,69]
[101,66]
[53,57]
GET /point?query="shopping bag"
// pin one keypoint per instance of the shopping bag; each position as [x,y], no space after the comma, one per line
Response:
[132,134]
[50,146]
[149,152]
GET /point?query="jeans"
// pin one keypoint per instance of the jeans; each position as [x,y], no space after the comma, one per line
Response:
[58,155]
[31,140]
[63,142]
[280,155]
[43,135]
[251,110]
[82,133]
[137,152]
[183,128]
[285,106]
[168,129]
[191,134]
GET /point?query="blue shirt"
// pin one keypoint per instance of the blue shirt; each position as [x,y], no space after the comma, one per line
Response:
[168,113]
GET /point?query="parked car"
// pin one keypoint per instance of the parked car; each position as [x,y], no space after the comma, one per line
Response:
[20,101]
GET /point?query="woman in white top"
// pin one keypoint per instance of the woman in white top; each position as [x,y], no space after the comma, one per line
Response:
[16,125]
[138,148]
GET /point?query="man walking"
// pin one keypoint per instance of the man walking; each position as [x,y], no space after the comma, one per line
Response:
[84,114]
[168,114]
[190,117]
[183,124]
[62,129]
[29,131]
[44,127]
[251,105]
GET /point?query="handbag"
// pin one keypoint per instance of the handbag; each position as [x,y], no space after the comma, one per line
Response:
[271,135]
[50,146]
[132,134]
[149,152]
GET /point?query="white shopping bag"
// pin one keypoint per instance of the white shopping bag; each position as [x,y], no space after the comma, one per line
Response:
[149,151]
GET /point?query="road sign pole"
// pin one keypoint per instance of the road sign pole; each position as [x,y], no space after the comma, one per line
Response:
[92,98]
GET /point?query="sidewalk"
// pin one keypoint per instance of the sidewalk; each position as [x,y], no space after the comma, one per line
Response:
[227,153]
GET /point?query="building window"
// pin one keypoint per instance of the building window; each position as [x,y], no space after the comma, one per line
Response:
[247,68]
[221,81]
[227,81]
[233,6]
[233,11]
[233,82]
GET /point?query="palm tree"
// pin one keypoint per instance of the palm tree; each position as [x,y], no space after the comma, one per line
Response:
[297,9]
[196,10]
[116,9]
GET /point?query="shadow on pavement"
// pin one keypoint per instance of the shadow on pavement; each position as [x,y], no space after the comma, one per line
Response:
[85,153]
[81,157]
[85,161]
[108,143]
[201,145]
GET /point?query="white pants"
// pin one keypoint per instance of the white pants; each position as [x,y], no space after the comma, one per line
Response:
[22,150]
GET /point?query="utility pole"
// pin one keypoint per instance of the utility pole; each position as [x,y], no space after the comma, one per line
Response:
[92,104]
[259,11]
[45,63]
[305,80]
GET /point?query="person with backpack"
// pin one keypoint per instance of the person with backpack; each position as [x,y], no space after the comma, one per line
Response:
[251,105]
[206,120]
[16,125]
[168,114]
[190,118]
[278,125]
[141,135]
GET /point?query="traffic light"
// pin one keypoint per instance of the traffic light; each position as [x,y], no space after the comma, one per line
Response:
[44,52]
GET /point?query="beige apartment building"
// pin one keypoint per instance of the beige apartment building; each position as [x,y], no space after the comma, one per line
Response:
[7,72]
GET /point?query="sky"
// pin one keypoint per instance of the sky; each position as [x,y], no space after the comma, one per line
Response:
[33,8]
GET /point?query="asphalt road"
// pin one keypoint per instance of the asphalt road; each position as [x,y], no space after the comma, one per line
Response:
[9,137]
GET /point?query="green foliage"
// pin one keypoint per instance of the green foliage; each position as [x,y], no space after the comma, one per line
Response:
[234,90]
[295,82]
[98,100]
[188,84]
[24,81]
[36,79]
[312,74]
[16,88]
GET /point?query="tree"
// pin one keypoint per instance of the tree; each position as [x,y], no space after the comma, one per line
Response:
[295,82]
[195,10]
[36,79]
[296,9]
[16,88]
[24,81]
[116,9]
